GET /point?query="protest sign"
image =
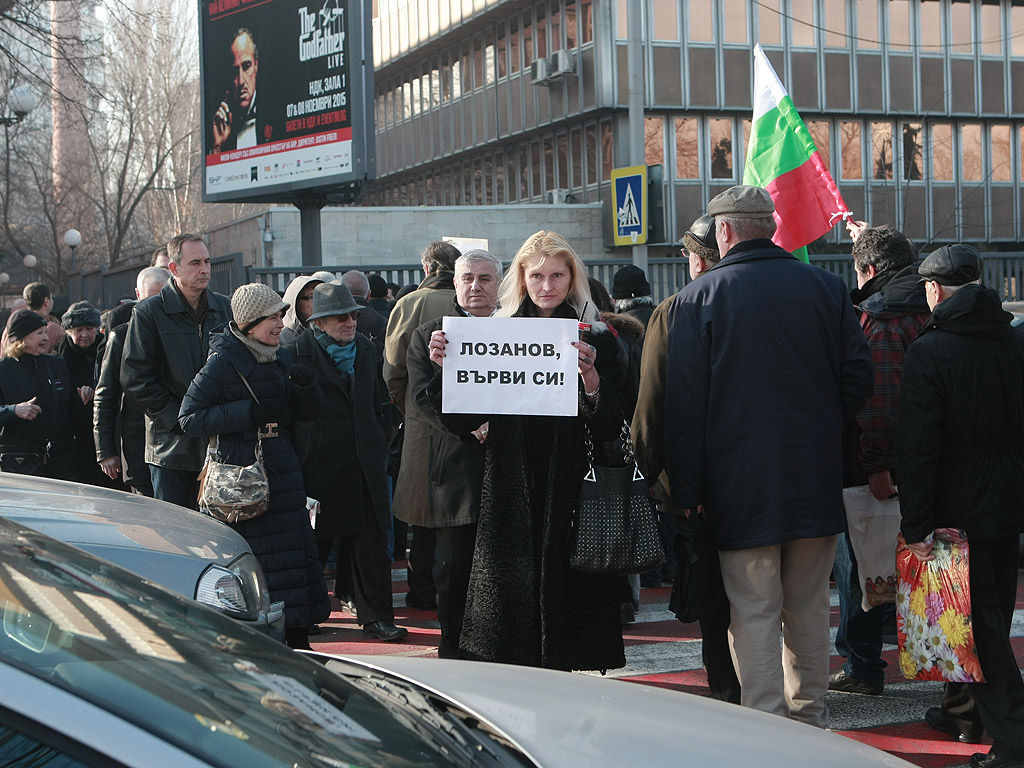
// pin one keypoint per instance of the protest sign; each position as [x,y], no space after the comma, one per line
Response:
[510,365]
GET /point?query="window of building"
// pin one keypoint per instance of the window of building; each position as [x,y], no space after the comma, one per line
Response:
[478,63]
[571,38]
[435,89]
[960,26]
[529,54]
[467,8]
[931,26]
[536,168]
[851,150]
[562,156]
[654,140]
[524,171]
[769,25]
[881,150]
[555,20]
[416,98]
[819,130]
[734,15]
[576,137]
[802,21]
[549,166]
[467,67]
[540,38]
[701,23]
[867,24]
[587,21]
[607,151]
[899,24]
[687,148]
[593,169]
[666,20]
[970,152]
[720,147]
[942,151]
[991,36]
[1017,28]
[406,101]
[913,142]
[512,176]
[746,135]
[622,25]
[501,52]
[835,24]
[490,58]
[513,45]
[999,147]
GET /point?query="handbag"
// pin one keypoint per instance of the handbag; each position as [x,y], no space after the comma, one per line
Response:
[933,612]
[229,492]
[615,529]
[25,462]
[874,527]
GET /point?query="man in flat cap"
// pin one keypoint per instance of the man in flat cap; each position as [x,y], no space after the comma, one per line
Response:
[960,460]
[766,364]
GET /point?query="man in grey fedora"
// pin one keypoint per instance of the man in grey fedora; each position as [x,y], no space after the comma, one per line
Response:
[343,454]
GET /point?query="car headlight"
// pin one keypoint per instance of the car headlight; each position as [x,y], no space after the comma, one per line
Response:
[236,590]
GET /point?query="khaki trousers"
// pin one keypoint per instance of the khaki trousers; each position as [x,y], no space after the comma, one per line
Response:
[783,584]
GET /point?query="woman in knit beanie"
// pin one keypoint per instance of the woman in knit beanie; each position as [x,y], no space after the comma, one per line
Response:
[246,356]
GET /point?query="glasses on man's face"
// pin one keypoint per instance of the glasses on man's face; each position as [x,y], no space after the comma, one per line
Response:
[348,316]
[686,253]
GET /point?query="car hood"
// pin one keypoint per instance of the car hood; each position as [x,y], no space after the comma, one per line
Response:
[560,718]
[98,520]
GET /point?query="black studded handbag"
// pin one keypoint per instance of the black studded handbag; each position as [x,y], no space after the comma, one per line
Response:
[615,529]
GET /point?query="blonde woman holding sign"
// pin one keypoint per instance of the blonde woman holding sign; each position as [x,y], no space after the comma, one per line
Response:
[525,605]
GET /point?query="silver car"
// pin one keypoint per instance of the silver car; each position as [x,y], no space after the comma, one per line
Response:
[185,551]
[100,667]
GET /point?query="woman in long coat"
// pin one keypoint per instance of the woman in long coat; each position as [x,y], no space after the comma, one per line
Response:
[219,403]
[526,605]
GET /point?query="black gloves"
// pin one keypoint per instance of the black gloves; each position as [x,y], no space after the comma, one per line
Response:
[262,414]
[300,376]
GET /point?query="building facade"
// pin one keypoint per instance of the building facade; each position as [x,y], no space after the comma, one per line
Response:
[917,106]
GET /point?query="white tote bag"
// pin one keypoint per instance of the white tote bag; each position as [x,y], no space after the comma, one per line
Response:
[874,529]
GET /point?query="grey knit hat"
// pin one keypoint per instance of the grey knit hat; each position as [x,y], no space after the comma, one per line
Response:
[332,299]
[80,314]
[254,302]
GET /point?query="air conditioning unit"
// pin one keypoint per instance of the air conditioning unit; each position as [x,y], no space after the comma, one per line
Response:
[563,63]
[540,72]
[558,196]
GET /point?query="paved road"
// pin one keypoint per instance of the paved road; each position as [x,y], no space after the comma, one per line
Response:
[664,652]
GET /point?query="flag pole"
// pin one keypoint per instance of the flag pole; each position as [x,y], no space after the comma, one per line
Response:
[637,151]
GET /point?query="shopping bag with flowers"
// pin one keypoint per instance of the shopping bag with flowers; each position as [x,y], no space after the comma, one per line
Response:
[933,611]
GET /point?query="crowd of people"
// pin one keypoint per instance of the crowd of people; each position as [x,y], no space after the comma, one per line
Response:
[755,396]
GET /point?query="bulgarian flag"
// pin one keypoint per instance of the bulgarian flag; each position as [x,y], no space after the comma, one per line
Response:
[782,158]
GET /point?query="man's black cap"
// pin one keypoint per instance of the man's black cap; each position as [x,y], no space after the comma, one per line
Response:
[952,265]
[703,231]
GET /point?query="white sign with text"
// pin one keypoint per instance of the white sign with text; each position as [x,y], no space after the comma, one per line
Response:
[510,365]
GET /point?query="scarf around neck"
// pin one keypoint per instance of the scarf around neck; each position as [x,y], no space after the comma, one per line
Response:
[264,353]
[344,357]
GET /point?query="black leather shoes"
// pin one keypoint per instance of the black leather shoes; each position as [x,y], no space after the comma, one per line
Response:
[840,681]
[420,604]
[385,630]
[940,721]
[992,760]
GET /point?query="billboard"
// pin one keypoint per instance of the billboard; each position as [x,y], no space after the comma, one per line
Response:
[287,99]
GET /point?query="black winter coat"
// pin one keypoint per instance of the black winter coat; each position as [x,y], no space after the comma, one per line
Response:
[82,366]
[960,429]
[526,605]
[46,378]
[766,365]
[218,403]
[163,351]
[343,451]
[373,326]
[119,425]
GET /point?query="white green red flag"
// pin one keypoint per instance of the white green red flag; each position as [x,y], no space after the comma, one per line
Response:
[783,158]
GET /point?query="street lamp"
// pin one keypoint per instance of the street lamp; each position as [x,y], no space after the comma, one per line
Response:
[72,239]
[4,280]
[30,261]
[21,101]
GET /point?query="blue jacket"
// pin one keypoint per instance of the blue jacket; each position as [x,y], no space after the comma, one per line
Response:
[218,403]
[766,365]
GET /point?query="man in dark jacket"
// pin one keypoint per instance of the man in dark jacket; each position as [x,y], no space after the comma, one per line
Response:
[370,324]
[379,294]
[766,363]
[893,310]
[342,454]
[456,471]
[167,344]
[960,458]
[119,425]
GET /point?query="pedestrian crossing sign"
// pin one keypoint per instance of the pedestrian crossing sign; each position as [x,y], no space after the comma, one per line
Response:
[630,185]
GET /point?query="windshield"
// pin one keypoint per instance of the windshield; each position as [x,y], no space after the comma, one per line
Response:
[187,674]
